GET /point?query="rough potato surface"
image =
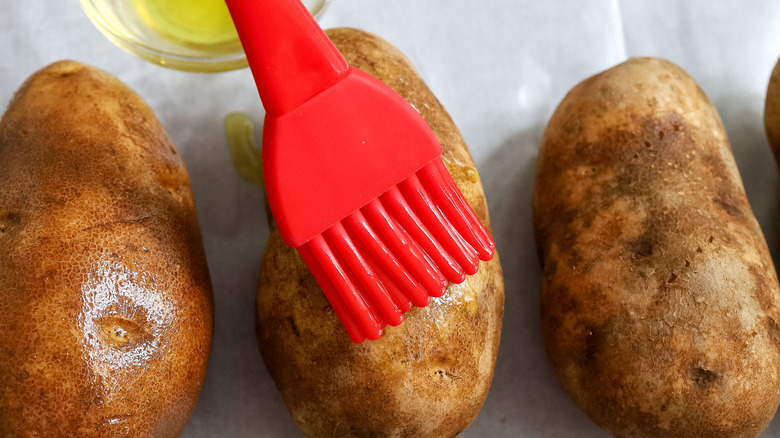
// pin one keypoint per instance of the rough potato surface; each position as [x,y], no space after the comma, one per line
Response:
[105,299]
[659,297]
[427,377]
[772,112]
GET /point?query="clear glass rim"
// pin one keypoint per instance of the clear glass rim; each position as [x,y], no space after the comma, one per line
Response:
[206,64]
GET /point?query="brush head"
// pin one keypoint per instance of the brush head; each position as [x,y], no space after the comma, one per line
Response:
[399,249]
[356,184]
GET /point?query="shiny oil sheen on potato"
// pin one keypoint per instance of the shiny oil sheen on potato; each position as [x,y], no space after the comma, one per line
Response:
[659,296]
[105,299]
[427,377]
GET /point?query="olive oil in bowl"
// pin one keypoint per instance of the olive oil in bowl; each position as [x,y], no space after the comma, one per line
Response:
[192,35]
[195,22]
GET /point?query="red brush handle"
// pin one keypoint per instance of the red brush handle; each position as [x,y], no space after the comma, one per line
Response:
[290,56]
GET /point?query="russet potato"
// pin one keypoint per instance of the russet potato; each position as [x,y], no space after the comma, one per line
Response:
[106,308]
[659,295]
[772,111]
[427,377]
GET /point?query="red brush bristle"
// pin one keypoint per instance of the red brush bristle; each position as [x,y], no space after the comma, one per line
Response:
[352,306]
[333,295]
[406,216]
[440,227]
[363,275]
[372,268]
[437,179]
[408,253]
[400,284]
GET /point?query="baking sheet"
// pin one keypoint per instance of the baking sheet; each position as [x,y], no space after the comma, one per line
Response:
[500,68]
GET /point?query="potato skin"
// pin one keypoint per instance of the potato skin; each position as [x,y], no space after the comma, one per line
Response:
[106,308]
[772,112]
[427,377]
[659,296]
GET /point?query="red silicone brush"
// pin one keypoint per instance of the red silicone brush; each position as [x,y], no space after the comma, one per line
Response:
[354,175]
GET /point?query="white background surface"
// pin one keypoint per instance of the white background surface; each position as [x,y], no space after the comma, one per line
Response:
[500,67]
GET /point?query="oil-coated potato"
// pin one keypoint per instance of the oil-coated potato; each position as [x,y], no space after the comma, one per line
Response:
[105,300]
[659,296]
[427,377]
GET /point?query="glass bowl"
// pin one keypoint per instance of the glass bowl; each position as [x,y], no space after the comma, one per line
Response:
[189,35]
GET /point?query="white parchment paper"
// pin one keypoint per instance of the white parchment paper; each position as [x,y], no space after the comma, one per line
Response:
[500,67]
